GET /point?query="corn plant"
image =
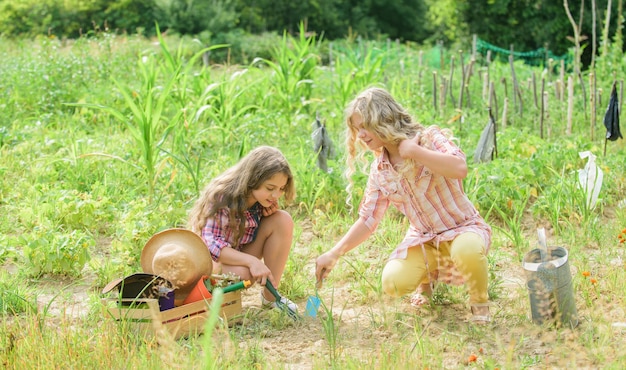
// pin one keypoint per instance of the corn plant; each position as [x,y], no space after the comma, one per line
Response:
[293,68]
[225,104]
[357,71]
[145,119]
[175,65]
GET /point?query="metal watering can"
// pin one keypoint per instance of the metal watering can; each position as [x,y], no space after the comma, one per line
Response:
[549,284]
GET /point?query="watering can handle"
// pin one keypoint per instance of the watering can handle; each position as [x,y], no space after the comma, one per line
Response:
[543,244]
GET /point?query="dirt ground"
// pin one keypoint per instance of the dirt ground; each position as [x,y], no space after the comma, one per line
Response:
[304,345]
[366,329]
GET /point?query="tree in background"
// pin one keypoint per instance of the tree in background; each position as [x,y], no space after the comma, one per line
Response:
[445,18]
[397,19]
[533,24]
[192,17]
[527,25]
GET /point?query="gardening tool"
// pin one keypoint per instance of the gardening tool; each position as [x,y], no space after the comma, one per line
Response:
[312,305]
[240,285]
[313,302]
[279,303]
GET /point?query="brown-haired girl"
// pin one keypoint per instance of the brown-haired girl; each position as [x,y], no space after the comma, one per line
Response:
[238,217]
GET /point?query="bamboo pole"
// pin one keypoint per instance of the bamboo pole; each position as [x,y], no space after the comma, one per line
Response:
[562,79]
[441,60]
[493,101]
[474,42]
[442,98]
[570,104]
[505,86]
[577,51]
[505,107]
[593,107]
[468,74]
[489,67]
[511,61]
[462,85]
[330,66]
[495,136]
[485,88]
[450,79]
[506,96]
[421,67]
[546,113]
[543,101]
[517,94]
[576,37]
[435,107]
[593,34]
[534,81]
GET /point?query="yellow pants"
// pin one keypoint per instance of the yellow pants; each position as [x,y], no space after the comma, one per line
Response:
[467,252]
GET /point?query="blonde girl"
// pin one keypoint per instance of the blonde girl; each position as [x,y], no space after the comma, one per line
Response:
[419,170]
[238,217]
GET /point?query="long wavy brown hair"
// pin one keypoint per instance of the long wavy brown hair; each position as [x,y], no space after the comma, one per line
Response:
[232,188]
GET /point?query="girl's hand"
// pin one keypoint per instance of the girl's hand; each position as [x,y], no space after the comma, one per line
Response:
[406,146]
[267,211]
[261,273]
[324,264]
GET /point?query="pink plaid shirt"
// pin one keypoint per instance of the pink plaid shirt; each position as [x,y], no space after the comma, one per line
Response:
[437,207]
[218,234]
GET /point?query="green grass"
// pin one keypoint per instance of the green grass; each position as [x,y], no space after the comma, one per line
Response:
[107,140]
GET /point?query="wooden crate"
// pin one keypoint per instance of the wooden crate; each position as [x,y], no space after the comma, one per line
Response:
[180,321]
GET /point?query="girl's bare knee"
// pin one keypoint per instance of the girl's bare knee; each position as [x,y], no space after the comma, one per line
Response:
[280,219]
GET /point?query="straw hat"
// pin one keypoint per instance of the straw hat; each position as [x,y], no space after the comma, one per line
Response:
[178,255]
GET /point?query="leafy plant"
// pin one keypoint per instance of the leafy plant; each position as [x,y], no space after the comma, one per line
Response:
[293,63]
[14,299]
[57,252]
[331,329]
[514,231]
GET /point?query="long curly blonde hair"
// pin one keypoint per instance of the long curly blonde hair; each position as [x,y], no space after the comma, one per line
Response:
[232,188]
[384,116]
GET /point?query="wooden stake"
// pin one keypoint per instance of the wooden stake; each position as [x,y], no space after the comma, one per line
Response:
[570,104]
[493,101]
[435,106]
[462,85]
[543,92]
[505,107]
[535,90]
[450,79]
[592,105]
